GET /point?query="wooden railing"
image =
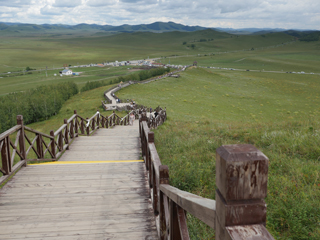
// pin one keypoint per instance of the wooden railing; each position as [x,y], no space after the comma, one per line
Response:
[239,211]
[21,144]
[154,122]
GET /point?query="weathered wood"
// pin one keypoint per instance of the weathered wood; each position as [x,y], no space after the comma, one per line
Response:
[241,178]
[66,134]
[88,127]
[242,172]
[60,142]
[56,133]
[71,129]
[9,132]
[82,126]
[47,148]
[96,114]
[22,143]
[174,223]
[184,233]
[202,208]
[5,156]
[40,160]
[15,149]
[31,145]
[72,117]
[39,146]
[155,158]
[76,123]
[56,207]
[13,170]
[53,145]
[248,232]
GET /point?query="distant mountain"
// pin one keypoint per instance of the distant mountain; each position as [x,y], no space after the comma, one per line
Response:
[307,36]
[23,29]
[250,30]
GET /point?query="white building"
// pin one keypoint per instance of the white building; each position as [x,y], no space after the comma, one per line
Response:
[67,72]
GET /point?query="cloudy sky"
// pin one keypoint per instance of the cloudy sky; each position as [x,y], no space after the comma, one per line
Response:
[298,14]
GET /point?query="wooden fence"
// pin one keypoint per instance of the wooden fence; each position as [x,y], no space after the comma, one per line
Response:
[239,211]
[21,144]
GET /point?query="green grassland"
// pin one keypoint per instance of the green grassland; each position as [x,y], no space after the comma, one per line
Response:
[86,104]
[39,52]
[13,83]
[278,113]
[296,56]
[233,96]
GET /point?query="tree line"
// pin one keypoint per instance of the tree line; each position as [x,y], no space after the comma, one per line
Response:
[34,104]
[140,76]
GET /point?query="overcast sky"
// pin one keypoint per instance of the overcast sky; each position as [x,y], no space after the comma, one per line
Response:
[298,14]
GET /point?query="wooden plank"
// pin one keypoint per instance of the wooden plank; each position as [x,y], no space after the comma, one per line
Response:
[98,200]
[14,169]
[202,208]
[74,218]
[86,234]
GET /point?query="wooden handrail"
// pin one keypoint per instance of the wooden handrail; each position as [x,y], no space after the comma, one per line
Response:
[56,133]
[90,119]
[239,211]
[37,132]
[202,208]
[71,118]
[9,132]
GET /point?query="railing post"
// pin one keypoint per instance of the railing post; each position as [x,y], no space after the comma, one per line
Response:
[98,119]
[164,179]
[140,125]
[82,126]
[241,178]
[114,117]
[88,128]
[66,133]
[107,122]
[148,158]
[60,142]
[22,142]
[76,123]
[102,122]
[39,146]
[5,155]
[53,145]
[93,124]
[174,222]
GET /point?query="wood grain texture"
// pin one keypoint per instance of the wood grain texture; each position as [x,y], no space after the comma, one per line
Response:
[82,201]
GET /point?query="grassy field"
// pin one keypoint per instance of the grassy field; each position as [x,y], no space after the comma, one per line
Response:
[39,52]
[86,104]
[11,83]
[296,56]
[277,112]
[280,116]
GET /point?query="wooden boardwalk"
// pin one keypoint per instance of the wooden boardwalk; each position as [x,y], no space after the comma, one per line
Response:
[97,190]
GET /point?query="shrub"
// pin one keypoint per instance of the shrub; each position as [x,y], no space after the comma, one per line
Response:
[35,104]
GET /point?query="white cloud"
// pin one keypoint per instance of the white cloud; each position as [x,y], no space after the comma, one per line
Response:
[67,4]
[49,10]
[15,3]
[208,13]
[100,3]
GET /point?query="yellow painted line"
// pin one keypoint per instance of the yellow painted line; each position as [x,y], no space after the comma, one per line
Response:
[85,162]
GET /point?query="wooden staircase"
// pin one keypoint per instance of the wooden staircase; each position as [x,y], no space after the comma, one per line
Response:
[97,190]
